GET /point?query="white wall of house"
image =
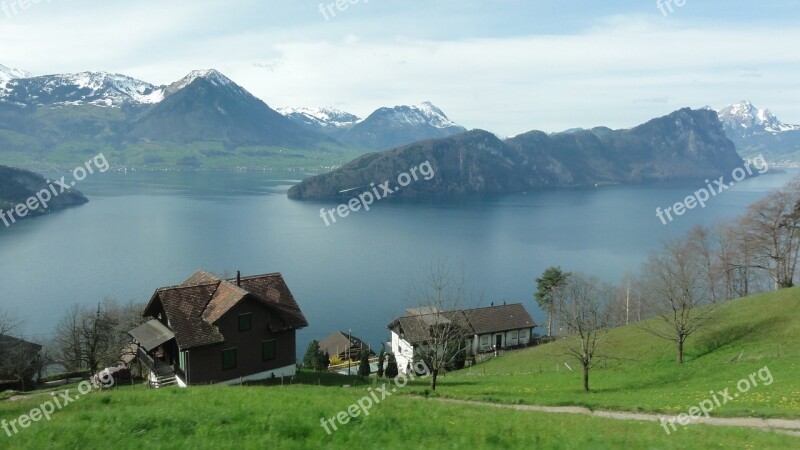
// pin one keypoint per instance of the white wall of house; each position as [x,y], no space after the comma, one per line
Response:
[403,352]
[486,342]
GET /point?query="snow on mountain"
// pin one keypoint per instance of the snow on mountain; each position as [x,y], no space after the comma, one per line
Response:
[425,113]
[96,88]
[7,74]
[320,117]
[745,119]
[93,88]
[211,75]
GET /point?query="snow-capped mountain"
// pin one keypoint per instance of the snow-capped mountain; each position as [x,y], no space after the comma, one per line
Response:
[85,88]
[401,125]
[97,88]
[212,76]
[425,113]
[757,131]
[745,119]
[383,129]
[320,117]
[7,74]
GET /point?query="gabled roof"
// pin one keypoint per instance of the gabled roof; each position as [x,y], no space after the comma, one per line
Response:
[492,319]
[194,307]
[19,344]
[339,342]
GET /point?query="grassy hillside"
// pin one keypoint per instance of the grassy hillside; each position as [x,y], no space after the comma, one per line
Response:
[289,417]
[748,334]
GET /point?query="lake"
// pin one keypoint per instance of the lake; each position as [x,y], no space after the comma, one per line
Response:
[144,230]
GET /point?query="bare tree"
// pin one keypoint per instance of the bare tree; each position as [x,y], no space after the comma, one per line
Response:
[92,338]
[439,300]
[8,322]
[581,307]
[68,339]
[771,227]
[676,293]
[702,246]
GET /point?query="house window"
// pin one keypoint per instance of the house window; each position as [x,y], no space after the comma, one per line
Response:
[268,350]
[229,359]
[245,322]
[484,341]
[523,334]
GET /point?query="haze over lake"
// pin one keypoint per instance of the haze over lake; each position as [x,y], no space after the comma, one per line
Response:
[145,230]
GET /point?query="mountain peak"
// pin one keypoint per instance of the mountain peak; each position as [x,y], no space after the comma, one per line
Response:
[320,117]
[11,73]
[745,119]
[212,76]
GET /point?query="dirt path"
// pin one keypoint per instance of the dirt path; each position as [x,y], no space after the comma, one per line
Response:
[786,426]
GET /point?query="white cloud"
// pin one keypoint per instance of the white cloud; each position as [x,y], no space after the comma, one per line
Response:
[609,74]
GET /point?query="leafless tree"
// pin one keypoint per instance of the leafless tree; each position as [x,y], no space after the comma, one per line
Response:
[439,299]
[676,292]
[582,310]
[92,338]
[702,245]
[772,227]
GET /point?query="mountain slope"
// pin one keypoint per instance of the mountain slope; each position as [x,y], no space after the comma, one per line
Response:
[203,119]
[17,186]
[383,129]
[319,118]
[207,106]
[757,131]
[686,144]
[392,127]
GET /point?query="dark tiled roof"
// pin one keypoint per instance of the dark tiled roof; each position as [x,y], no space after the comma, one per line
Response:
[225,297]
[194,307]
[499,318]
[12,342]
[184,308]
[478,321]
[271,290]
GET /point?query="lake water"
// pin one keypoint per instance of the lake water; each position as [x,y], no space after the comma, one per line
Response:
[144,230]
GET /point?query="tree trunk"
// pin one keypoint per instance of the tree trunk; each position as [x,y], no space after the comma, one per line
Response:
[680,351]
[550,323]
[434,374]
[586,378]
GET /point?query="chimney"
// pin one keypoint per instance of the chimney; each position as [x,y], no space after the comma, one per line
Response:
[238,278]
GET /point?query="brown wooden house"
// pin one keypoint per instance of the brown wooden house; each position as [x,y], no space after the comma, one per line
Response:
[210,330]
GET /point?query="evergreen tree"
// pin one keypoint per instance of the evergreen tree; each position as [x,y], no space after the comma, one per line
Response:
[381,360]
[391,367]
[322,361]
[552,279]
[363,368]
[312,355]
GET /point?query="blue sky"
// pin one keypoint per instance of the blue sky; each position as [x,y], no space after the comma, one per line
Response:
[507,66]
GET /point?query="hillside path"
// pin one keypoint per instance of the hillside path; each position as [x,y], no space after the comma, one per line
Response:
[785,426]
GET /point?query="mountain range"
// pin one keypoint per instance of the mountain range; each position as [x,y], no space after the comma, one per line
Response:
[384,129]
[207,120]
[201,120]
[685,145]
[757,131]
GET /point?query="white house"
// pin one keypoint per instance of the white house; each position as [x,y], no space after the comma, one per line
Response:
[502,326]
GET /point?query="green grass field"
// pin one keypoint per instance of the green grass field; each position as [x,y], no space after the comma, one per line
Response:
[748,335]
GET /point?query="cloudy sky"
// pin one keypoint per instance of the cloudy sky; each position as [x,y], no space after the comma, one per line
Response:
[507,66]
